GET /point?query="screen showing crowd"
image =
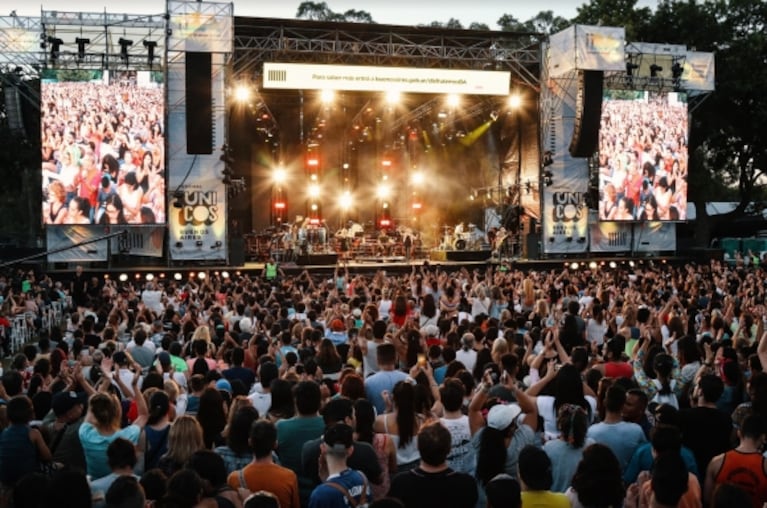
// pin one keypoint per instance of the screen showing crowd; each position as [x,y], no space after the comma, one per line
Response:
[103,147]
[643,156]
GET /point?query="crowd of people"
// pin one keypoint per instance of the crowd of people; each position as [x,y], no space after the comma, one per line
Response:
[606,387]
[643,158]
[103,152]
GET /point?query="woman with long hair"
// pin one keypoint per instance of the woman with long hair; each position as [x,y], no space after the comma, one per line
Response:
[400,311]
[566,387]
[328,359]
[566,451]
[184,438]
[157,428]
[237,452]
[402,425]
[212,417]
[500,431]
[429,312]
[283,404]
[449,302]
[364,413]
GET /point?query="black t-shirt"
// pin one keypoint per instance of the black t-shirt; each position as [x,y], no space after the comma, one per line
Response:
[706,432]
[92,340]
[419,489]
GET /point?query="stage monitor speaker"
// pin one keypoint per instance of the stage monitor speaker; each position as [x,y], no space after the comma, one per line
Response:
[236,251]
[588,113]
[199,104]
[531,246]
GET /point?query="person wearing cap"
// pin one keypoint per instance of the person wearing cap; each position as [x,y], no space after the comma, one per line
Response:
[62,424]
[499,438]
[336,332]
[433,484]
[343,486]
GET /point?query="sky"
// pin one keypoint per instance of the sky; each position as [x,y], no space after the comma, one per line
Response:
[395,12]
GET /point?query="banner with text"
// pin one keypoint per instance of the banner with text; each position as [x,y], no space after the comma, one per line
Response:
[205,27]
[197,198]
[608,236]
[364,78]
[139,241]
[584,47]
[564,221]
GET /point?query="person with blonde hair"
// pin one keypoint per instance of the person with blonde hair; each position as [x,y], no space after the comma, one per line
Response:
[500,348]
[102,423]
[184,438]
[527,296]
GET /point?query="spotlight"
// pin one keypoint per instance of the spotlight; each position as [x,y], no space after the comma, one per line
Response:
[225,274]
[150,46]
[548,178]
[582,239]
[593,265]
[123,277]
[201,275]
[574,265]
[81,42]
[179,245]
[613,264]
[177,276]
[676,70]
[551,239]
[124,45]
[216,245]
[569,239]
[631,264]
[654,70]
[198,243]
[149,277]
[630,68]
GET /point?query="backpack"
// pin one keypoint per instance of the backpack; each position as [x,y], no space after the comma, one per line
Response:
[352,503]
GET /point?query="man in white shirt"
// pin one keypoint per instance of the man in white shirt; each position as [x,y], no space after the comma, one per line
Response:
[261,395]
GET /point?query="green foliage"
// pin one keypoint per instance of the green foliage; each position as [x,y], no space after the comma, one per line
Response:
[615,13]
[320,11]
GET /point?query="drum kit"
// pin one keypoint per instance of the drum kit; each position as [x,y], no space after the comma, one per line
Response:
[462,237]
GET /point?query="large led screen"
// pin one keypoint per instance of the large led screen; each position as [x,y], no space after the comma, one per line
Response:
[643,156]
[103,147]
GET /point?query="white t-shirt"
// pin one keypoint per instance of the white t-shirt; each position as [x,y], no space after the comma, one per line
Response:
[467,358]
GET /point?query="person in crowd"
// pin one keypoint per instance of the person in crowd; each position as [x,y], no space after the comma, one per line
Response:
[121,456]
[343,486]
[262,474]
[433,483]
[535,479]
[293,433]
[744,466]
[623,438]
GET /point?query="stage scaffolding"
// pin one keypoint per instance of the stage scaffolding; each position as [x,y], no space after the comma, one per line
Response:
[259,40]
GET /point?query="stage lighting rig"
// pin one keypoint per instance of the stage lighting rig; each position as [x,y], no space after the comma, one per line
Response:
[55,43]
[228,159]
[81,43]
[150,47]
[654,70]
[124,45]
[677,69]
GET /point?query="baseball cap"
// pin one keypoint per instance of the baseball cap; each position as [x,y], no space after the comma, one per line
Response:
[64,401]
[223,385]
[357,312]
[502,415]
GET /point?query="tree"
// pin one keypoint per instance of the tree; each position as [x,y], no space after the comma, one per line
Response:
[545,22]
[614,13]
[320,11]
